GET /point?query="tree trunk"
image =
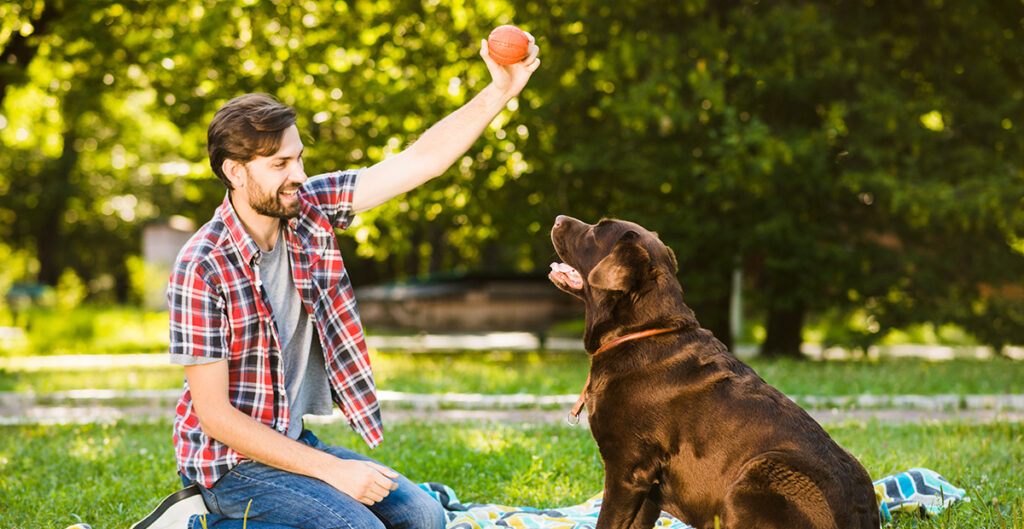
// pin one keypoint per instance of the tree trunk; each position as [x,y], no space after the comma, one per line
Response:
[713,315]
[784,332]
[50,235]
[437,247]
[412,259]
[711,304]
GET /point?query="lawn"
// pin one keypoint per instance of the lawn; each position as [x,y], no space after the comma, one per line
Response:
[110,475]
[563,374]
[87,329]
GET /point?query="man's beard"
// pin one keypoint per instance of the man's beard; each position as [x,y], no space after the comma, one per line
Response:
[268,204]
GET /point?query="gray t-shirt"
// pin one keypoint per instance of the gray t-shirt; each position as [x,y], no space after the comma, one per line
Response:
[305,377]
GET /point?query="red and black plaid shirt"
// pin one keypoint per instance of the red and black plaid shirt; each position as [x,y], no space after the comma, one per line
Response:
[218,309]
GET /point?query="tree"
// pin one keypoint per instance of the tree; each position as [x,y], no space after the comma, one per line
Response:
[852,157]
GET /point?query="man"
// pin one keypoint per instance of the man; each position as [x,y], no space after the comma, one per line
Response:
[264,321]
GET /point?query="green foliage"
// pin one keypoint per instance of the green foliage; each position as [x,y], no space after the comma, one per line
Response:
[70,290]
[928,333]
[801,138]
[18,266]
[861,157]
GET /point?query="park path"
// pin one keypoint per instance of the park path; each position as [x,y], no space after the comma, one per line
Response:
[511,341]
[88,406]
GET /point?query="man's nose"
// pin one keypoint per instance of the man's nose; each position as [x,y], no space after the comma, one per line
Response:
[298,176]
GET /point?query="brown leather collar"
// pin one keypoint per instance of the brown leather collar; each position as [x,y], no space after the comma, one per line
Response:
[578,407]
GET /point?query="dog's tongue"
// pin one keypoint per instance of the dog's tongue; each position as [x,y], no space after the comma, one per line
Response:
[563,273]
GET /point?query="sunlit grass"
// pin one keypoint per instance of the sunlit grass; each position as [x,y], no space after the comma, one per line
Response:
[488,373]
[111,377]
[111,475]
[87,330]
[125,329]
[893,376]
[128,330]
[565,373]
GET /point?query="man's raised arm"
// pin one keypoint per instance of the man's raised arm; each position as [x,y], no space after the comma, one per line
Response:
[442,144]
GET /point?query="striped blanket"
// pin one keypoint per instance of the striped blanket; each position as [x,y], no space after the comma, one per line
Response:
[917,490]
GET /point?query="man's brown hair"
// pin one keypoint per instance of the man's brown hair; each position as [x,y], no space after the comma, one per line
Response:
[248,126]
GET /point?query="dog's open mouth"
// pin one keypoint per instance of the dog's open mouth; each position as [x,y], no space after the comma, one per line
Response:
[564,274]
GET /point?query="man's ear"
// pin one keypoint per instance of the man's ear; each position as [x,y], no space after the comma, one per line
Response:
[235,171]
[622,269]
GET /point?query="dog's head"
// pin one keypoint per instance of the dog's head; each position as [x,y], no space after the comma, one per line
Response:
[622,271]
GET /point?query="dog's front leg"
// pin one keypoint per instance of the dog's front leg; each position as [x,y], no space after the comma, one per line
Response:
[631,500]
[650,510]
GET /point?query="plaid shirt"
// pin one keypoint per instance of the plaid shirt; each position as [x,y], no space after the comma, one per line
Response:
[218,309]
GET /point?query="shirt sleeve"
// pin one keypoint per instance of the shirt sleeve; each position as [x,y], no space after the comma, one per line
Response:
[332,193]
[198,322]
[186,360]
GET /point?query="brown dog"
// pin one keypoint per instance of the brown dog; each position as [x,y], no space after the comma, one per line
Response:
[682,425]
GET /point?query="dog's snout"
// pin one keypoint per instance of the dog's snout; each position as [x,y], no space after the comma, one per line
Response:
[559,220]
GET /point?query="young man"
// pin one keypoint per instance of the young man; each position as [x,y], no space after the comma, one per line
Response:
[264,321]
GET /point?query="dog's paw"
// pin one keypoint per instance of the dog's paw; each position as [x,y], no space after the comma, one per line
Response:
[566,278]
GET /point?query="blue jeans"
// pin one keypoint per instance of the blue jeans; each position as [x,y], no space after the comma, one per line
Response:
[282,500]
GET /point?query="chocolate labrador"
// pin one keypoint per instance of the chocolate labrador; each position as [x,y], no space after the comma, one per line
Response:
[682,425]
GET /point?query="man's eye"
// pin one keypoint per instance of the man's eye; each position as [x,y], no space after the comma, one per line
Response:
[280,165]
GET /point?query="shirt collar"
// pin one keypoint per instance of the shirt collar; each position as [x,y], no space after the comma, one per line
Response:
[236,230]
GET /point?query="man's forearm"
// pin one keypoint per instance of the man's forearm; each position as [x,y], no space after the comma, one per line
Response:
[365,481]
[261,443]
[441,145]
[432,154]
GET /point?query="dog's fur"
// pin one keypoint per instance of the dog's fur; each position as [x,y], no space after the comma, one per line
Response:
[682,425]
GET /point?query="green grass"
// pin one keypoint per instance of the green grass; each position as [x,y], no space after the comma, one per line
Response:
[48,381]
[488,373]
[893,376]
[563,374]
[87,330]
[110,475]
[557,374]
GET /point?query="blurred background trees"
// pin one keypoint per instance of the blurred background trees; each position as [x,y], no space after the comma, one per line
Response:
[854,161]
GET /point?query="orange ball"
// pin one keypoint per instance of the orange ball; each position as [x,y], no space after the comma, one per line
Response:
[508,44]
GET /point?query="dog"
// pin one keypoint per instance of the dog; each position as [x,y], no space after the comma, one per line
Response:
[681,424]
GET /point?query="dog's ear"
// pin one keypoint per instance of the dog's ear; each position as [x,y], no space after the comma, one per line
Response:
[674,262]
[622,269]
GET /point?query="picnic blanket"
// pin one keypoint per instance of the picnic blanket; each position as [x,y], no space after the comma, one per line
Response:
[917,490]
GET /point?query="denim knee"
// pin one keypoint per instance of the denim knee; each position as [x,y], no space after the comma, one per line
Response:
[426,513]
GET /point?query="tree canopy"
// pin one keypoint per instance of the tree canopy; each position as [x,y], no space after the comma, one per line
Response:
[858,159]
